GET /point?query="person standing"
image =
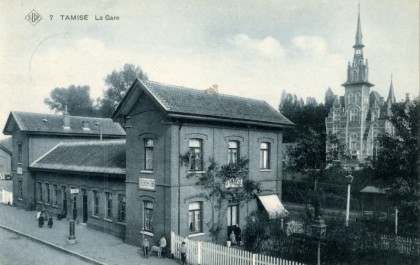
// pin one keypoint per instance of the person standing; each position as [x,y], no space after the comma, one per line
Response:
[183,250]
[41,220]
[162,246]
[146,246]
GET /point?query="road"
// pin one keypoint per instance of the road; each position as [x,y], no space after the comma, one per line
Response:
[18,250]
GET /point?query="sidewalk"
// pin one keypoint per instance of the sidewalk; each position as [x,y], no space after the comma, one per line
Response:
[93,244]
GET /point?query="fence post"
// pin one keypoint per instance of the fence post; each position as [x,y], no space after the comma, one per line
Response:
[172,243]
[254,257]
[199,251]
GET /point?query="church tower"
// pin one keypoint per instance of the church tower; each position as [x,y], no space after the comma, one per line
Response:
[356,96]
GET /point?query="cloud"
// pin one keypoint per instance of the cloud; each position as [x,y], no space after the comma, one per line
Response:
[311,45]
[267,47]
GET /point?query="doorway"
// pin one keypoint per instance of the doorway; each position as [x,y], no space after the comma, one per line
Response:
[84,206]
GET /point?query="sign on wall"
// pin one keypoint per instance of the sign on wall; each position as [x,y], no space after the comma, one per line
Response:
[74,191]
[233,183]
[147,184]
[19,170]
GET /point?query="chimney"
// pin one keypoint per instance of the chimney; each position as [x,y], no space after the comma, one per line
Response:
[212,90]
[407,97]
[66,118]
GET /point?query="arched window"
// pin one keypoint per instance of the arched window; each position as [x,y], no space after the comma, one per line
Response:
[19,158]
[354,115]
[350,98]
[357,98]
[353,142]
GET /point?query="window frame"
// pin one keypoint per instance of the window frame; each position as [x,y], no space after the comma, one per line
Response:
[265,156]
[47,193]
[55,195]
[20,152]
[122,210]
[108,205]
[148,149]
[39,187]
[231,205]
[192,217]
[195,164]
[95,203]
[20,189]
[233,152]
[148,216]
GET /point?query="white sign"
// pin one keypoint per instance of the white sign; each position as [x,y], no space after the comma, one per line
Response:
[147,184]
[19,170]
[233,183]
[72,191]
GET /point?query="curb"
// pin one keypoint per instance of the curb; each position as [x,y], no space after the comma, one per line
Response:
[80,256]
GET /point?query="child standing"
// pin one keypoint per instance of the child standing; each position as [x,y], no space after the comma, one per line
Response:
[183,250]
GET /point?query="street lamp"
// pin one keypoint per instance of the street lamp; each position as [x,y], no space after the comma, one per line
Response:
[349,180]
[319,229]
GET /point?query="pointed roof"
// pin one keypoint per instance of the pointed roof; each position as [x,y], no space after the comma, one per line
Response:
[194,104]
[391,95]
[359,36]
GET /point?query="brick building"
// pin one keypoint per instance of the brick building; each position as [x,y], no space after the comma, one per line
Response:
[5,158]
[34,134]
[165,122]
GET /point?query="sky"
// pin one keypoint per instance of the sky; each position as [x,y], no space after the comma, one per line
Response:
[254,49]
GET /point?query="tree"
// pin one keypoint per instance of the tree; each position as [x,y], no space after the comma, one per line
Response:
[213,184]
[329,98]
[117,83]
[77,99]
[396,166]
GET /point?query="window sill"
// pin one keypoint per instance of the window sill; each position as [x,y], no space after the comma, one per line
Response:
[197,234]
[146,233]
[122,223]
[108,220]
[146,171]
[95,216]
[20,199]
[55,206]
[265,170]
[196,172]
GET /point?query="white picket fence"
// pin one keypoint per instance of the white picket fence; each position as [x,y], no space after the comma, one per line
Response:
[403,245]
[6,197]
[206,253]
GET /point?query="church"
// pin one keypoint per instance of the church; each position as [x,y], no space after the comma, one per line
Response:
[357,118]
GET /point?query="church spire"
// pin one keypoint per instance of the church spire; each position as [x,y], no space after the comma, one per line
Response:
[359,36]
[391,96]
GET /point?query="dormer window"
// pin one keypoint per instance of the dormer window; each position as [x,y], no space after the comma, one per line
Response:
[85,126]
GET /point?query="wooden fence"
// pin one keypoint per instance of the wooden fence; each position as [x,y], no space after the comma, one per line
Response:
[206,253]
[402,245]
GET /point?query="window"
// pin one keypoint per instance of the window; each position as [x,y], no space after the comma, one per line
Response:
[196,151]
[95,203]
[19,153]
[121,207]
[47,192]
[39,192]
[55,194]
[20,189]
[233,213]
[358,98]
[233,151]
[354,114]
[148,154]
[353,146]
[265,156]
[350,98]
[108,205]
[195,217]
[148,216]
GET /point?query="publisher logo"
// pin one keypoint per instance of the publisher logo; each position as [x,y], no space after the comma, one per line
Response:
[33,17]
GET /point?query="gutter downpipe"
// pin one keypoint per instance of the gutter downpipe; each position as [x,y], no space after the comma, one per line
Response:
[179,179]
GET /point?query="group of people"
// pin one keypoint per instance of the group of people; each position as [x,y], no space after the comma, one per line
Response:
[160,249]
[42,216]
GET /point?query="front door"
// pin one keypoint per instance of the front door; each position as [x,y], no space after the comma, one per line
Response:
[84,206]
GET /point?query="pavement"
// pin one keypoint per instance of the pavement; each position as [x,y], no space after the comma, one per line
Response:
[92,246]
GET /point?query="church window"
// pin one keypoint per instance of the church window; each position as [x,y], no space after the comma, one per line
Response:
[357,98]
[353,145]
[354,115]
[350,98]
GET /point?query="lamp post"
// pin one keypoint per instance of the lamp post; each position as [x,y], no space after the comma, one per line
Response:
[319,229]
[349,180]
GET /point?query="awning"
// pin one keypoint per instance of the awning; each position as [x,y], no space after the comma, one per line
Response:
[273,206]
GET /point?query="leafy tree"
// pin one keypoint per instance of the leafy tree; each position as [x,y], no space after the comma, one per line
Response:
[117,83]
[329,98]
[396,165]
[212,183]
[77,99]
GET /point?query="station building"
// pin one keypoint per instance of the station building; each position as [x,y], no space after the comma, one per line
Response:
[164,123]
